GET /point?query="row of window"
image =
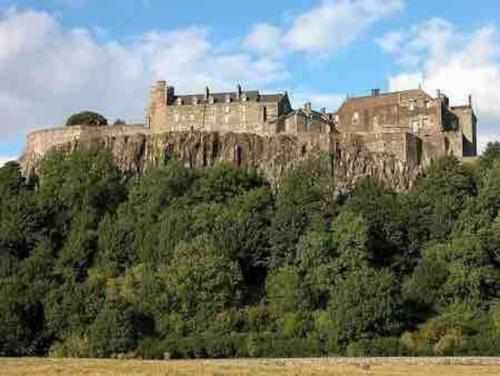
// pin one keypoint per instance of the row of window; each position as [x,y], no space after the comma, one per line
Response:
[212,115]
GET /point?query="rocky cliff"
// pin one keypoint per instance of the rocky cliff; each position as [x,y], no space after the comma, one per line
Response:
[135,149]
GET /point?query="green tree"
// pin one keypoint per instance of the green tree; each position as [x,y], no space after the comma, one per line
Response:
[87,118]
[364,305]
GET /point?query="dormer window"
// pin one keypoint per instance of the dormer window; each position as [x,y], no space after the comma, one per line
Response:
[211,99]
[227,98]
[178,101]
[244,97]
[195,100]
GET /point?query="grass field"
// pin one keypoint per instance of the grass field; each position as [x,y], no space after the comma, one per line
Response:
[326,366]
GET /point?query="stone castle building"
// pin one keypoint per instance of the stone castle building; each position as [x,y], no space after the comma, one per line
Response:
[410,125]
[239,111]
[392,136]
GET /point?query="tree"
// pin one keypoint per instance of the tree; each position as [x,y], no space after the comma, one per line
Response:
[364,305]
[112,332]
[304,199]
[200,279]
[86,118]
[442,195]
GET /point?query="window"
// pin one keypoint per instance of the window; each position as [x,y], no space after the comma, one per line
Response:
[355,119]
[415,126]
[238,155]
[425,123]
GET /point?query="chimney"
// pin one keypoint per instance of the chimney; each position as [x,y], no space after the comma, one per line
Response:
[307,106]
[375,92]
[470,100]
[238,91]
[323,110]
[207,93]
[438,93]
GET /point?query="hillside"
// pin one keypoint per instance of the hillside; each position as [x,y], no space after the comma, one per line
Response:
[181,262]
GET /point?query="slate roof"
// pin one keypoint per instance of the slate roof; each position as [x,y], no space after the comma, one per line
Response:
[252,95]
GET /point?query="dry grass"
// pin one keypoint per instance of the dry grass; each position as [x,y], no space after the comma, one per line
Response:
[257,367]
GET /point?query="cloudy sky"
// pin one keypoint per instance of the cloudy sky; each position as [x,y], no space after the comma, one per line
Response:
[61,56]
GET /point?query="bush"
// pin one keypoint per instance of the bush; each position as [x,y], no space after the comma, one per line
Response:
[272,345]
[73,347]
[87,118]
[390,346]
[197,347]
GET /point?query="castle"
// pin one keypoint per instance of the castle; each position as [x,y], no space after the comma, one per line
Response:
[392,136]
[410,125]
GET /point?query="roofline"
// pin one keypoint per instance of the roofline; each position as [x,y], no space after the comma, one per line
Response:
[387,93]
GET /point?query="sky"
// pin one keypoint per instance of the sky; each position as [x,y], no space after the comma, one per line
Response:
[58,57]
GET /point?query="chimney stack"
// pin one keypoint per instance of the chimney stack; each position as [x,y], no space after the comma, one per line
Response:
[375,92]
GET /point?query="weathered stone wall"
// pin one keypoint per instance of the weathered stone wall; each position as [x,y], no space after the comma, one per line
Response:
[241,117]
[468,124]
[442,130]
[218,112]
[38,143]
[135,150]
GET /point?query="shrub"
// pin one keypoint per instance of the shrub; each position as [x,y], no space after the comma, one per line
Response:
[86,118]
[390,346]
[73,347]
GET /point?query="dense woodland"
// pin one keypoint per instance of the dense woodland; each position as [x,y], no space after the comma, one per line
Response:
[217,263]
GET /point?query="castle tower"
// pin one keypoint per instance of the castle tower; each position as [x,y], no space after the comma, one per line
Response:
[161,96]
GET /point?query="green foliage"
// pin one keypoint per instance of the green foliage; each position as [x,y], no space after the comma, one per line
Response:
[364,305]
[87,118]
[389,346]
[188,263]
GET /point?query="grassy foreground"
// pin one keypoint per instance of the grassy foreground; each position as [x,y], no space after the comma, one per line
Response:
[326,366]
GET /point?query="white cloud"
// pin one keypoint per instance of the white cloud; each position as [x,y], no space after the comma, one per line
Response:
[4,160]
[264,39]
[48,72]
[437,55]
[336,23]
[330,101]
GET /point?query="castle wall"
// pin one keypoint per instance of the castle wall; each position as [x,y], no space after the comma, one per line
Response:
[468,125]
[412,111]
[39,143]
[241,117]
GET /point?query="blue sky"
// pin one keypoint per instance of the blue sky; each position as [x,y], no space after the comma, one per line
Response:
[60,56]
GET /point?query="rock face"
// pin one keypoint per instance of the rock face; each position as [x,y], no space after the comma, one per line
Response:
[135,149]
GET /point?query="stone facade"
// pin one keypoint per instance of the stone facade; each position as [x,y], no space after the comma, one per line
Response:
[437,128]
[239,111]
